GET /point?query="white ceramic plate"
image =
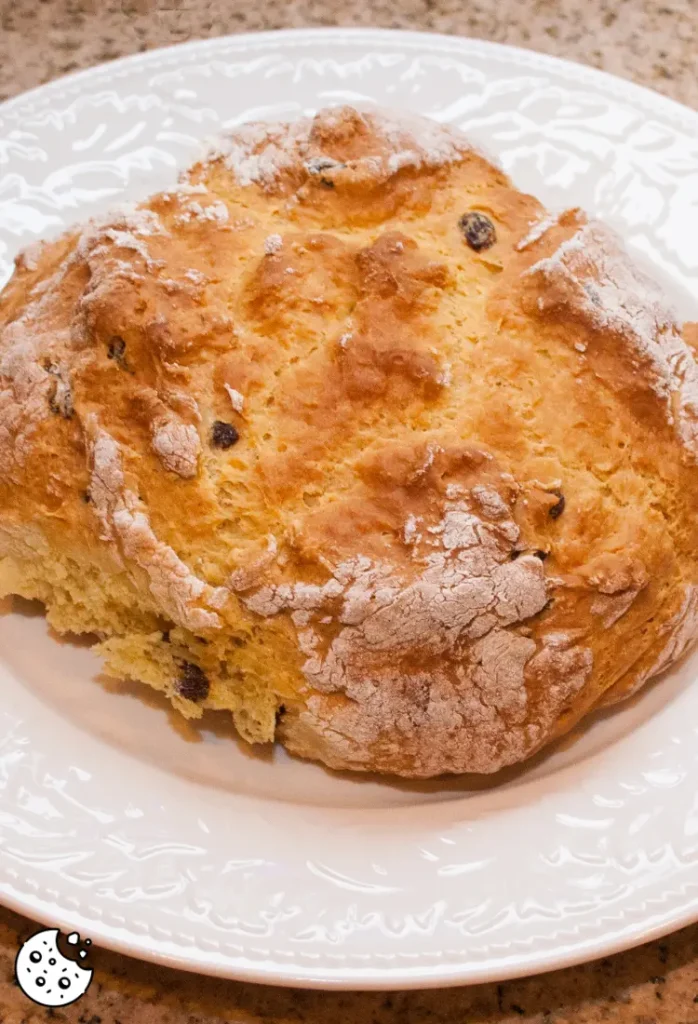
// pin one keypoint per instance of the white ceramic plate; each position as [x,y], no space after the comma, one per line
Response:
[175,843]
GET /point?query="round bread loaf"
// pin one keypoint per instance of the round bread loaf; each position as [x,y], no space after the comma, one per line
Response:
[348,437]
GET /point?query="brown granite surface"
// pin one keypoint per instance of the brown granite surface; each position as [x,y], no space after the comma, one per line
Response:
[656,984]
[654,43]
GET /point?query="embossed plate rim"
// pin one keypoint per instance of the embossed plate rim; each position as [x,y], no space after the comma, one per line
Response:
[386,967]
[292,37]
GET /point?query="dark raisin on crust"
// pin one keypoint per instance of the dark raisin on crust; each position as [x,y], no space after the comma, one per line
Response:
[193,683]
[224,435]
[117,347]
[541,554]
[478,230]
[318,164]
[559,507]
[86,496]
[116,350]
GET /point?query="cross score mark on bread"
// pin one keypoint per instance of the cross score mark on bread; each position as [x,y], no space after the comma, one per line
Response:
[348,437]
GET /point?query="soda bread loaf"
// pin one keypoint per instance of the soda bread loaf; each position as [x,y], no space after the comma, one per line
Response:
[348,437]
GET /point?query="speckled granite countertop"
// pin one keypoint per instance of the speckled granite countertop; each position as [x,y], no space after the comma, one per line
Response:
[654,42]
[656,984]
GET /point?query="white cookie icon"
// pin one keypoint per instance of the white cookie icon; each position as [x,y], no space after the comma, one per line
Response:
[45,975]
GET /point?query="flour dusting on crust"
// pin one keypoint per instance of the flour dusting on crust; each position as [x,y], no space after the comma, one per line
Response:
[420,658]
[177,590]
[237,400]
[24,391]
[194,211]
[259,153]
[127,227]
[177,444]
[537,230]
[26,384]
[592,278]
[273,244]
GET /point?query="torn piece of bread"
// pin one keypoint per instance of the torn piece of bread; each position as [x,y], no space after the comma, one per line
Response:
[346,436]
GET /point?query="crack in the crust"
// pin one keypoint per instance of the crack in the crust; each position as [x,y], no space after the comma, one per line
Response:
[662,659]
[654,342]
[497,656]
[435,658]
[171,582]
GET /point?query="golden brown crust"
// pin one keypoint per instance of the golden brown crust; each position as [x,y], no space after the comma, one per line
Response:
[300,442]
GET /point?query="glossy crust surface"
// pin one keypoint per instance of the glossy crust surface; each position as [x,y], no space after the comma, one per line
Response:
[347,436]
